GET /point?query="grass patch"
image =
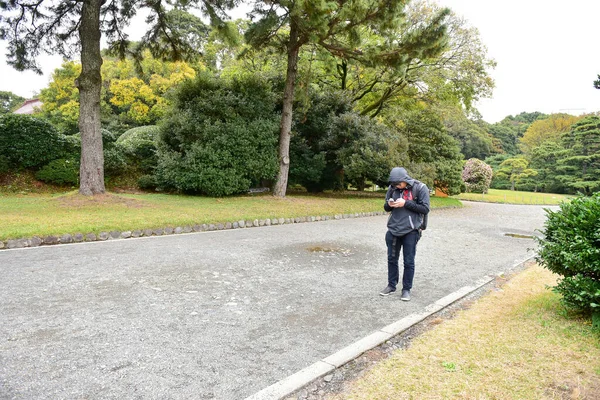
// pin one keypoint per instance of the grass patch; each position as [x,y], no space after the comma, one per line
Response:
[514,197]
[54,214]
[516,343]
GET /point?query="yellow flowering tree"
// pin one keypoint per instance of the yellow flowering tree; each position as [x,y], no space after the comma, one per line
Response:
[61,98]
[141,98]
[131,95]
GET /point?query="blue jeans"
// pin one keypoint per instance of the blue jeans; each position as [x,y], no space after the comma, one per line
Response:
[408,243]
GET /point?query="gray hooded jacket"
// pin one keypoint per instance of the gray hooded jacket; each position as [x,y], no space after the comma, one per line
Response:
[406,219]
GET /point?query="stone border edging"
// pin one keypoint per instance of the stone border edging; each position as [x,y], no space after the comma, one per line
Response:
[68,238]
[304,377]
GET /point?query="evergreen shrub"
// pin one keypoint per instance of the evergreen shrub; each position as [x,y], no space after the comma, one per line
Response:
[4,164]
[313,149]
[571,248]
[366,149]
[221,137]
[115,161]
[147,182]
[61,172]
[29,142]
[139,146]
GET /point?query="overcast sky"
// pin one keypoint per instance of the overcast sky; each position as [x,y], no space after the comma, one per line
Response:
[547,55]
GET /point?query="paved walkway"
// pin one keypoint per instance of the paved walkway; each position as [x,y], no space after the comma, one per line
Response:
[223,314]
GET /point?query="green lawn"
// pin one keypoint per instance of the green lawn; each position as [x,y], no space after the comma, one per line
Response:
[45,214]
[514,197]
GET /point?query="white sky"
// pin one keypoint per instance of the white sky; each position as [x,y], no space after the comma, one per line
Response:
[546,50]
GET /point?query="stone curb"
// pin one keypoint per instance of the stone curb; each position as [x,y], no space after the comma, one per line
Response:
[79,237]
[304,377]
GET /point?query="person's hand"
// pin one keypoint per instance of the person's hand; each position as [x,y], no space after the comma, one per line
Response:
[396,204]
[399,203]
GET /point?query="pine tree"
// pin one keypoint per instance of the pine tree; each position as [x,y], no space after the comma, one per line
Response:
[580,163]
[339,28]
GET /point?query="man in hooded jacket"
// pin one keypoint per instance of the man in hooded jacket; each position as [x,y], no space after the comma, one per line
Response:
[408,201]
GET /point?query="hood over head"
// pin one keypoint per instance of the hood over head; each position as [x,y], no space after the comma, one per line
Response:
[399,174]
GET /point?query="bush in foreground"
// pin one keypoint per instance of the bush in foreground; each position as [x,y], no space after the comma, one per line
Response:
[571,248]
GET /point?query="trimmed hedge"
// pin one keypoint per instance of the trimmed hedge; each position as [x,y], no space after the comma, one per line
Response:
[30,142]
[139,146]
[134,136]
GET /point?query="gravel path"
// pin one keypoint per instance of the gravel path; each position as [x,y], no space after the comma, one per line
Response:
[223,314]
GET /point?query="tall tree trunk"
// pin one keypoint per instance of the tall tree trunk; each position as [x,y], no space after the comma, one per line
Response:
[89,83]
[286,116]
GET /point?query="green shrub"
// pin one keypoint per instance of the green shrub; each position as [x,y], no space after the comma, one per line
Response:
[571,248]
[72,147]
[306,166]
[30,142]
[367,150]
[108,137]
[139,146]
[147,182]
[115,162]
[131,137]
[431,150]
[234,156]
[221,137]
[313,148]
[334,147]
[4,164]
[62,172]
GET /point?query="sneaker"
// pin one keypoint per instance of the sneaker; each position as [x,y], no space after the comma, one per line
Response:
[405,295]
[387,291]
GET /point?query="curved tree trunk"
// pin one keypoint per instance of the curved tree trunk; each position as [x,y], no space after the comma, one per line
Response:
[286,116]
[89,83]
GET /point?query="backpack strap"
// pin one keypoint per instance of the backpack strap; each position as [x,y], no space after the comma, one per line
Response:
[414,190]
[424,217]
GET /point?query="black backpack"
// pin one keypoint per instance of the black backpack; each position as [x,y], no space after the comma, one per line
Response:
[414,195]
